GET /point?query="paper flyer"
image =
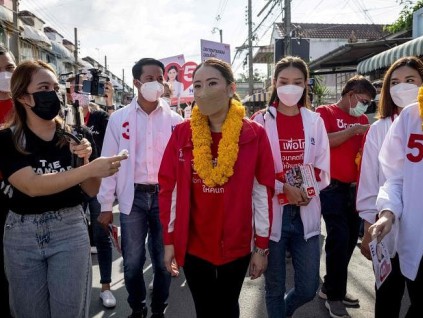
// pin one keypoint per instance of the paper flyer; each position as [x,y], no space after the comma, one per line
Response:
[381,261]
[114,236]
[301,176]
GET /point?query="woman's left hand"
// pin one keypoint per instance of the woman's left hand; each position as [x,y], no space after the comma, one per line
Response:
[258,265]
[382,226]
[82,150]
[295,195]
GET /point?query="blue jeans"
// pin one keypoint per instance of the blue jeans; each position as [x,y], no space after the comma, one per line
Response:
[4,285]
[342,226]
[143,219]
[305,260]
[102,241]
[48,264]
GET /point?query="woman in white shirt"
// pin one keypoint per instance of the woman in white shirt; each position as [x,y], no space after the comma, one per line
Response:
[400,88]
[399,198]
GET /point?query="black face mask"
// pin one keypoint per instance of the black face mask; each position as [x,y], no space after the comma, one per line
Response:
[47,104]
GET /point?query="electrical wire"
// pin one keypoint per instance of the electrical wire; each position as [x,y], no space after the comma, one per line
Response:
[45,15]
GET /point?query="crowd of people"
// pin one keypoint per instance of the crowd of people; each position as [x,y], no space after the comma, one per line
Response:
[210,193]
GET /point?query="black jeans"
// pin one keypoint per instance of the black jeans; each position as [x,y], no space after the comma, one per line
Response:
[415,291]
[389,295]
[215,289]
[342,225]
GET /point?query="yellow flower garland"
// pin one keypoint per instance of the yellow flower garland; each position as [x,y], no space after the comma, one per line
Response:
[420,99]
[227,152]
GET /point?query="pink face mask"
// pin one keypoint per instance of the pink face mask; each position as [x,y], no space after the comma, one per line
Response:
[151,91]
[5,81]
[290,95]
[404,94]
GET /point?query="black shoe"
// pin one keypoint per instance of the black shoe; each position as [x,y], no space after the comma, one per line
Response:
[139,314]
[348,300]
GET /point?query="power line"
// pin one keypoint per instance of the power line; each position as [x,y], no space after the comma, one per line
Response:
[255,30]
[236,68]
[56,24]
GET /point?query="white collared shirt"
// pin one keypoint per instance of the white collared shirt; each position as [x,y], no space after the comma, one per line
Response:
[129,129]
[152,137]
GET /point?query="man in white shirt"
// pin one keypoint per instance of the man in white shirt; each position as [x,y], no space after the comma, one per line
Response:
[144,128]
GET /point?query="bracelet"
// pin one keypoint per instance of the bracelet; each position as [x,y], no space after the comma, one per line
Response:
[261,251]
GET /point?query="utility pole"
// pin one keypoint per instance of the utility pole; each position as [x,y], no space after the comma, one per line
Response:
[287,26]
[105,62]
[75,53]
[220,33]
[250,49]
[15,38]
[123,80]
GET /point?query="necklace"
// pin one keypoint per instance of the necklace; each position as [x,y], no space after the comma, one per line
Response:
[227,152]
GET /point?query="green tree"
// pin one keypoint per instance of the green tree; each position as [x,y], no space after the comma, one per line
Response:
[405,20]
[257,76]
[320,91]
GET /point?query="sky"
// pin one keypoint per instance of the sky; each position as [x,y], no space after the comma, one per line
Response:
[127,30]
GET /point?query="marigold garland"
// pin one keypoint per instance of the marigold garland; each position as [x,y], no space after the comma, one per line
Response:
[420,99]
[227,152]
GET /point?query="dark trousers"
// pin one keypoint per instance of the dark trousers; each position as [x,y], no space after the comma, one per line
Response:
[215,289]
[390,293]
[342,225]
[415,291]
[4,286]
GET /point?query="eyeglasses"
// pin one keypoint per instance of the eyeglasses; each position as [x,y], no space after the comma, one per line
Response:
[362,100]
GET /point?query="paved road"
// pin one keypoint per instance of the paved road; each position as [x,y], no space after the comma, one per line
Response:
[361,282]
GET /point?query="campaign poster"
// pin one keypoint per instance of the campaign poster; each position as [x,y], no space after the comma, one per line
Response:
[218,50]
[382,266]
[178,74]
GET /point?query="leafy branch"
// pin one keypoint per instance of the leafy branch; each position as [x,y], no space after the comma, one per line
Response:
[405,19]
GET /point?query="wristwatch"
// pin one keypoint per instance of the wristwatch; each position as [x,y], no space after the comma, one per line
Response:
[261,251]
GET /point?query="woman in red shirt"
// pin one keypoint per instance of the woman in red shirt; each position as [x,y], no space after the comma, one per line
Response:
[216,185]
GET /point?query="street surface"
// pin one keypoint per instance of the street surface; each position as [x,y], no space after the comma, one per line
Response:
[252,303]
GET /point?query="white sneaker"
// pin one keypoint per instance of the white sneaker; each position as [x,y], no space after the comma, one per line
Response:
[150,286]
[107,298]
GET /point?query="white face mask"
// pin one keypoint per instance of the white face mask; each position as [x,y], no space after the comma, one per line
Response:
[84,100]
[359,108]
[290,95]
[151,91]
[404,94]
[5,81]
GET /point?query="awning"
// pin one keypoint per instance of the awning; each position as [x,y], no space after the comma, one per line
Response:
[61,51]
[6,14]
[85,65]
[257,97]
[265,54]
[31,33]
[116,84]
[346,57]
[385,59]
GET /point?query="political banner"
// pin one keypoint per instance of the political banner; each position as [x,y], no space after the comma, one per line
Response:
[178,74]
[218,50]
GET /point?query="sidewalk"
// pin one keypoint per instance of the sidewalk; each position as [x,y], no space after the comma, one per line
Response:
[252,303]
